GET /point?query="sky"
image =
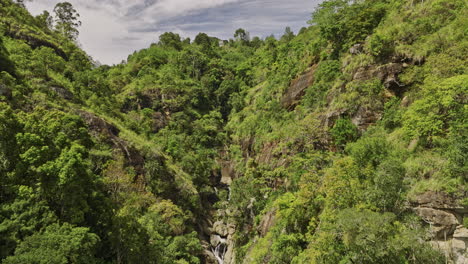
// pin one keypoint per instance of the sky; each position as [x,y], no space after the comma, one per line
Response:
[113,29]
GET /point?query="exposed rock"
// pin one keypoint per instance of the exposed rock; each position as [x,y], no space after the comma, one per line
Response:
[365,117]
[220,228]
[460,245]
[231,229]
[215,240]
[160,120]
[227,172]
[405,102]
[204,226]
[267,222]
[461,233]
[208,256]
[356,49]
[437,217]
[62,92]
[108,132]
[387,73]
[413,144]
[445,215]
[297,88]
[98,125]
[247,146]
[229,257]
[266,154]
[438,200]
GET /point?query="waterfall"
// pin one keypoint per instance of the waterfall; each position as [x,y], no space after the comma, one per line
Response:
[220,250]
[229,193]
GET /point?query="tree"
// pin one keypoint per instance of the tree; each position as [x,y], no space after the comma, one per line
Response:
[21,2]
[202,39]
[242,35]
[66,18]
[205,42]
[171,40]
[58,244]
[45,20]
[288,35]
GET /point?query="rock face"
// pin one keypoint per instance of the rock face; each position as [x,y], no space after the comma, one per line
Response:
[267,222]
[356,49]
[297,88]
[62,92]
[222,243]
[103,129]
[387,73]
[445,216]
[364,118]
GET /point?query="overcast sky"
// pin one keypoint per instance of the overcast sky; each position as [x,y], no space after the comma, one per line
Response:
[112,29]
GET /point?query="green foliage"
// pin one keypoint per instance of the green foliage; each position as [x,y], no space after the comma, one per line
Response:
[58,244]
[368,237]
[324,76]
[123,163]
[343,131]
[440,107]
[345,23]
[170,39]
[392,115]
[67,20]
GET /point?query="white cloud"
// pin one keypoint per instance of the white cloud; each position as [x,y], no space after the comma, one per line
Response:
[112,29]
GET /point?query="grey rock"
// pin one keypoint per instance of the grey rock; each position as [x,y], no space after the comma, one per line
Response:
[220,228]
[356,49]
[62,92]
[461,233]
[437,217]
[216,240]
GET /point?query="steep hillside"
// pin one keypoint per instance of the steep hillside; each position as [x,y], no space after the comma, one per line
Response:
[344,144]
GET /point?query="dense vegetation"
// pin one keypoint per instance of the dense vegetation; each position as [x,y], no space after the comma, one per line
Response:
[118,164]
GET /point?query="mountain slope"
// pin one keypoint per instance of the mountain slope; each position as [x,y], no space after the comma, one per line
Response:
[343,144]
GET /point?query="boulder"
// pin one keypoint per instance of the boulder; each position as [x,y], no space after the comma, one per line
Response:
[356,49]
[229,256]
[215,240]
[438,200]
[209,257]
[220,228]
[461,233]
[227,172]
[460,245]
[445,215]
[231,229]
[62,92]
[437,217]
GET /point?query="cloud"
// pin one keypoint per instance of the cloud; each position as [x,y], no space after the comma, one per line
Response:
[112,29]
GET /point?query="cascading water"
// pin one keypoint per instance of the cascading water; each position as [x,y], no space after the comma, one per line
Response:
[220,250]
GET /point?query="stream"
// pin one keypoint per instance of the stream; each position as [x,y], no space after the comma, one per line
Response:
[220,236]
[220,250]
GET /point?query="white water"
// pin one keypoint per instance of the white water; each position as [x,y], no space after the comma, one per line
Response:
[220,250]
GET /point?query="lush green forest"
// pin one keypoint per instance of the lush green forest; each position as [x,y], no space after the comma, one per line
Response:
[344,143]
